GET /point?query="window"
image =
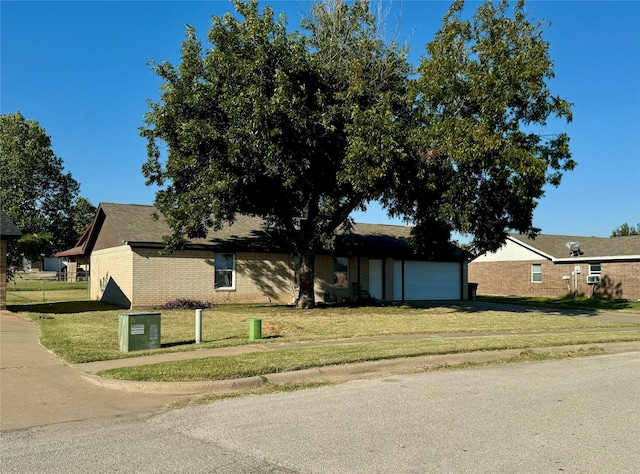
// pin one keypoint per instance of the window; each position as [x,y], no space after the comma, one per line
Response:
[536,272]
[594,269]
[224,266]
[341,272]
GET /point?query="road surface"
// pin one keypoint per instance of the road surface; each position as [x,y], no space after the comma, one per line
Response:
[568,416]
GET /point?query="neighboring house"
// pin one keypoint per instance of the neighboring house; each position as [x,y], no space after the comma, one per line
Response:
[558,265]
[8,231]
[75,260]
[244,263]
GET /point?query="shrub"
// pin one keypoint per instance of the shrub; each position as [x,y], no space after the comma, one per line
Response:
[187,304]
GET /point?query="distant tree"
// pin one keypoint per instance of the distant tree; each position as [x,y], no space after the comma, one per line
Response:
[302,129]
[625,229]
[82,216]
[34,246]
[35,191]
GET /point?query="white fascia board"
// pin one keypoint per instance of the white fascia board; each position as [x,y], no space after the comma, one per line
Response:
[596,258]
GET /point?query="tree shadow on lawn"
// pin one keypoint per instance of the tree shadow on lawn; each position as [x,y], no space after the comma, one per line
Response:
[192,342]
[479,306]
[64,307]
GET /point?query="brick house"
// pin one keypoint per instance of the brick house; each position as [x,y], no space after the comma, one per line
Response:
[8,231]
[558,265]
[244,263]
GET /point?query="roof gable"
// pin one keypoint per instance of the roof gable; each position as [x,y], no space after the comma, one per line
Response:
[512,251]
[555,246]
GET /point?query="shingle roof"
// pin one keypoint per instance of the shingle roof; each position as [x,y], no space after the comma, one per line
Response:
[74,252]
[555,245]
[8,229]
[144,225]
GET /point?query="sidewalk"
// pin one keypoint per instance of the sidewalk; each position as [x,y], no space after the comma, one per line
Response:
[37,388]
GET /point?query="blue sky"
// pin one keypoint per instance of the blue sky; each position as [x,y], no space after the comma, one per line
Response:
[80,69]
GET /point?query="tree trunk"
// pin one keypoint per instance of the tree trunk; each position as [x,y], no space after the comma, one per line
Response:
[306,294]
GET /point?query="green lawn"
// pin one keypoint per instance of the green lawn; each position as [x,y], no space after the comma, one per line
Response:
[263,363]
[570,302]
[28,289]
[93,334]
[83,331]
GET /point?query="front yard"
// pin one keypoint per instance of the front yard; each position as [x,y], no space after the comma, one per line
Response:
[86,331]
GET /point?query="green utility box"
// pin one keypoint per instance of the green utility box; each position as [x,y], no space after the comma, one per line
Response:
[138,331]
[255,329]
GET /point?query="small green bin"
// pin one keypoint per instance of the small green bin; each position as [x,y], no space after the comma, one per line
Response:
[138,331]
[255,329]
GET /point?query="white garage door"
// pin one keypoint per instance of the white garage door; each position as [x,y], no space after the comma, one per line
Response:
[427,280]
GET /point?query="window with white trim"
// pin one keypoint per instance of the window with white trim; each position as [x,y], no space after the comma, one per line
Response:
[225,269]
[595,269]
[536,272]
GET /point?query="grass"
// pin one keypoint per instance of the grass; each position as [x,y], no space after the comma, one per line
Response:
[30,290]
[569,302]
[84,331]
[263,363]
[92,335]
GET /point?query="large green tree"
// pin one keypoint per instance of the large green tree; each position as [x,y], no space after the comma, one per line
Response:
[276,124]
[303,128]
[35,191]
[481,100]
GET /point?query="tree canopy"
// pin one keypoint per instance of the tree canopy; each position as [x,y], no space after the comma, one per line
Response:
[478,168]
[304,127]
[625,229]
[35,192]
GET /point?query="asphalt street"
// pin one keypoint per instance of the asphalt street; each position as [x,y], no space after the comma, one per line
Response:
[573,415]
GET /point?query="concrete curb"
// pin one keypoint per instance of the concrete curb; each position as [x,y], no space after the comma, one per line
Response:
[343,373]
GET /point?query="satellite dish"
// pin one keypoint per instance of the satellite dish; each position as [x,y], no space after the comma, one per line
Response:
[574,249]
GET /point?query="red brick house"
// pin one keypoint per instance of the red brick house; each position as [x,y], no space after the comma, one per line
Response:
[8,231]
[557,265]
[244,263]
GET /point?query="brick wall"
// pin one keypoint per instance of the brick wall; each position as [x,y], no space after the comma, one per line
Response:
[184,274]
[143,278]
[189,274]
[260,278]
[111,276]
[618,279]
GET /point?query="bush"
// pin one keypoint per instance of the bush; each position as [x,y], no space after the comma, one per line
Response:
[187,304]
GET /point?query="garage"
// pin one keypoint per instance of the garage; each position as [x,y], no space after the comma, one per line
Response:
[415,280]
